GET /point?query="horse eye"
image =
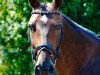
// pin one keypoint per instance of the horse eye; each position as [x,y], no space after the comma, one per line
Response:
[32,27]
[57,27]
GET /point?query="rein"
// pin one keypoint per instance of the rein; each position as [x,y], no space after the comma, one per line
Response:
[48,48]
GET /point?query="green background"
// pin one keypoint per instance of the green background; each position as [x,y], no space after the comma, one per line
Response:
[15,52]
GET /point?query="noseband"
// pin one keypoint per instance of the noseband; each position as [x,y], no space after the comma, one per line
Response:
[48,47]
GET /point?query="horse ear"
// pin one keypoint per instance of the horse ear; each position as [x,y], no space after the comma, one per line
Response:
[34,3]
[56,3]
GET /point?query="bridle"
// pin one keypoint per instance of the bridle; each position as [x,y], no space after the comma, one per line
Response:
[47,48]
[45,12]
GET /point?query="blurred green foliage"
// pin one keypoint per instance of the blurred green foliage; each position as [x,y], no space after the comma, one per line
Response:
[15,53]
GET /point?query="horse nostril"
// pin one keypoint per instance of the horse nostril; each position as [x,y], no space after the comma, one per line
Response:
[43,67]
[37,68]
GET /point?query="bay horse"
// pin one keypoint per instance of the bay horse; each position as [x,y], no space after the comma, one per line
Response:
[60,44]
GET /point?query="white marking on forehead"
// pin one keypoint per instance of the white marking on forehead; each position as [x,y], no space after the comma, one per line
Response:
[43,30]
[44,18]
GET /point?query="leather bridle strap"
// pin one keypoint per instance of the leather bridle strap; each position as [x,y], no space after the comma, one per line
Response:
[48,47]
[45,12]
[58,44]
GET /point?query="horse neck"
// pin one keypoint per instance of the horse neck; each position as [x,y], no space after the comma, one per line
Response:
[72,32]
[77,42]
[76,30]
[77,48]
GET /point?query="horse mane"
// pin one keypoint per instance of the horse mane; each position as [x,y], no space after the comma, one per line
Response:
[79,28]
[98,35]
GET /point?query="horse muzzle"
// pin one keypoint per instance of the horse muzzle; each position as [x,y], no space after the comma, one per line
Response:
[44,64]
[45,70]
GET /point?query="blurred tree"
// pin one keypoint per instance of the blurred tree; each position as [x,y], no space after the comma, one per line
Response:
[14,46]
[15,55]
[84,12]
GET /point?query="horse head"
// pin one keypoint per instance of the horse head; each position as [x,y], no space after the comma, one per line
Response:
[45,34]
